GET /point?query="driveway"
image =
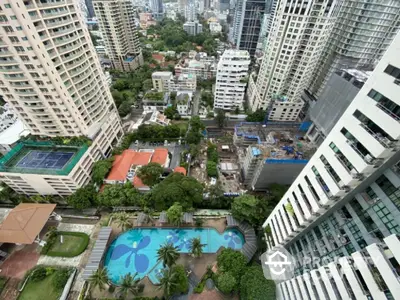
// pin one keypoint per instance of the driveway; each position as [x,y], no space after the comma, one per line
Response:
[20,261]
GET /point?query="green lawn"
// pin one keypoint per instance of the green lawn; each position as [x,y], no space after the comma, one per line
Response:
[183,125]
[74,243]
[40,290]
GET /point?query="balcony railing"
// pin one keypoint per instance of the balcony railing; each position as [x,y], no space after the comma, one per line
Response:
[324,187]
[366,157]
[388,112]
[384,141]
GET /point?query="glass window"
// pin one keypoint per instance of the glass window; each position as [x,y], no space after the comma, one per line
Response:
[7,5]
[389,189]
[386,217]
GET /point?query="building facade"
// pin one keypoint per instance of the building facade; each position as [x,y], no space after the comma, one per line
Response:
[337,95]
[298,31]
[52,79]
[247,24]
[163,81]
[90,9]
[116,19]
[362,33]
[157,8]
[346,201]
[231,81]
[193,27]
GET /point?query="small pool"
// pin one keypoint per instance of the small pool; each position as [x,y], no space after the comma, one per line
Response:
[136,250]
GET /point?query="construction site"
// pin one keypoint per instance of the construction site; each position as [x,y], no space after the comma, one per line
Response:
[271,154]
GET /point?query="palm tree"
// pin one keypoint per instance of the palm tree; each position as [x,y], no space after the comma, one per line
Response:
[196,247]
[99,278]
[168,254]
[123,221]
[129,284]
[168,282]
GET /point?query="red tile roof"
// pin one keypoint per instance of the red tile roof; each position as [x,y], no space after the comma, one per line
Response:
[160,156]
[137,182]
[124,161]
[158,57]
[180,170]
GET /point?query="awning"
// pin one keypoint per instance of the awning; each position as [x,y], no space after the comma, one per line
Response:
[23,224]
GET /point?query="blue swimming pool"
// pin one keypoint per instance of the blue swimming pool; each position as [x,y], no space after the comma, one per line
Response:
[136,250]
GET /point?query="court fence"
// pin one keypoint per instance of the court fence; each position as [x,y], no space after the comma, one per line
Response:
[8,161]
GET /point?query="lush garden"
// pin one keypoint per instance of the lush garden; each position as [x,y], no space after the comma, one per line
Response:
[44,282]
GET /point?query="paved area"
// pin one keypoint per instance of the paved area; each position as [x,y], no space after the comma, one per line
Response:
[20,261]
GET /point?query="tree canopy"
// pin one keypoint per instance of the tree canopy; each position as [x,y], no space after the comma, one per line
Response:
[118,195]
[84,197]
[251,209]
[233,262]
[226,282]
[175,213]
[177,188]
[220,118]
[257,116]
[254,286]
[150,173]
[101,169]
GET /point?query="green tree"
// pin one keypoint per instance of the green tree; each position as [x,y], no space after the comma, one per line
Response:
[254,286]
[177,188]
[171,112]
[83,197]
[125,109]
[233,262]
[168,282]
[119,194]
[181,278]
[101,169]
[150,174]
[251,209]
[194,150]
[168,254]
[121,84]
[147,84]
[196,247]
[220,118]
[129,284]
[99,279]
[123,221]
[257,116]
[175,213]
[226,283]
[193,137]
[212,169]
[237,110]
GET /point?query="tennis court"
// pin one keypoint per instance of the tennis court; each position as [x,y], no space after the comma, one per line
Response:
[36,159]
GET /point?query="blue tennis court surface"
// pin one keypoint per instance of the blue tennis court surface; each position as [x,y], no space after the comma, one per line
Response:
[44,160]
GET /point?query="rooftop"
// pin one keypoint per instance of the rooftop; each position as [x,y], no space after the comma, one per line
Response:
[42,157]
[23,224]
[13,133]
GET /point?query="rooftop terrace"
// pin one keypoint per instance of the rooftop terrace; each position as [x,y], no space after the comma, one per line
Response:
[42,157]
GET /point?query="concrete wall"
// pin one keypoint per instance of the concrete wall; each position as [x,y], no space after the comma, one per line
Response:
[277,173]
[334,100]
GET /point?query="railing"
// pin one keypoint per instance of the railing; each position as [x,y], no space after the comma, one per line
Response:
[377,136]
[388,112]
[364,157]
[324,187]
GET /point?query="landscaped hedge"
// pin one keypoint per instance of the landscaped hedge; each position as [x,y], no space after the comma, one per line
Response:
[46,250]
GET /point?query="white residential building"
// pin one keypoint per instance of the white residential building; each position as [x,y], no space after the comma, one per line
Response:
[116,19]
[52,79]
[190,11]
[193,27]
[186,82]
[232,77]
[163,81]
[298,33]
[183,103]
[346,201]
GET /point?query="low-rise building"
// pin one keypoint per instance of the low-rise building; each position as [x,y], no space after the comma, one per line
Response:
[193,27]
[283,108]
[186,82]
[163,81]
[183,103]
[215,27]
[155,101]
[156,118]
[127,164]
[204,67]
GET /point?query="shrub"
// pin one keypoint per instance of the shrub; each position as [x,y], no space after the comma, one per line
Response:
[60,278]
[212,169]
[232,261]
[111,288]
[200,287]
[38,274]
[226,282]
[49,242]
[49,271]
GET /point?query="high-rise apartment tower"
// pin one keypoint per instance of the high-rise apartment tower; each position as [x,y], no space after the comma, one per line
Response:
[344,207]
[117,24]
